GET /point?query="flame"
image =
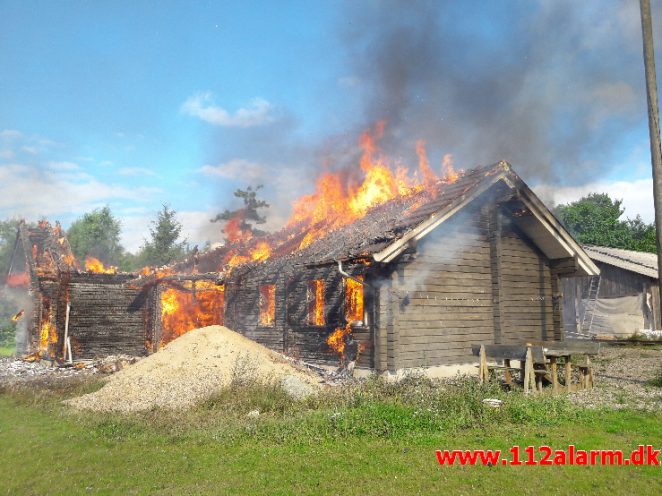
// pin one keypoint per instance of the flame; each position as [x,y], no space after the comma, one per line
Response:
[341,198]
[95,265]
[337,202]
[316,302]
[353,300]
[234,229]
[192,305]
[47,336]
[18,316]
[261,252]
[449,173]
[70,260]
[20,279]
[336,339]
[267,304]
[429,177]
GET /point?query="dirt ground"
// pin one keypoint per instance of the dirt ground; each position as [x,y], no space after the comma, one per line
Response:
[621,375]
[203,361]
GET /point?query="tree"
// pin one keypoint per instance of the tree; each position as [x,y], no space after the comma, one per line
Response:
[595,220]
[163,246]
[643,235]
[248,216]
[7,306]
[96,234]
[8,230]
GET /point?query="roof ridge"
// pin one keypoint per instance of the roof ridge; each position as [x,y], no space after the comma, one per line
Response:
[598,249]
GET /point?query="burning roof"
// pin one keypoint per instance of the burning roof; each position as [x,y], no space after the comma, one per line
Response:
[385,230]
[46,248]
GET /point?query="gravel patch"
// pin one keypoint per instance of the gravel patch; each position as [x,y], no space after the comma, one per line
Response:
[44,373]
[621,373]
[192,368]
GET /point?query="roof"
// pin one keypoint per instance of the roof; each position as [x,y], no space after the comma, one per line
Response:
[389,229]
[45,248]
[634,261]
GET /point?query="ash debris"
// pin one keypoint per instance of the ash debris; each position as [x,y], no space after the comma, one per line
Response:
[17,371]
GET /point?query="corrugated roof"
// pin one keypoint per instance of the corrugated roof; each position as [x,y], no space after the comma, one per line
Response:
[635,261]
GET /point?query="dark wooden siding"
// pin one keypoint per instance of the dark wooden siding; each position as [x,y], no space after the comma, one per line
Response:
[105,318]
[526,291]
[616,282]
[442,301]
[291,332]
[473,280]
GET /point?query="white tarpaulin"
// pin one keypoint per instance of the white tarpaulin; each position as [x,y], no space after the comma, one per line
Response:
[619,317]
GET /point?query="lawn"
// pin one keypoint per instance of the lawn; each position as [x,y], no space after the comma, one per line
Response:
[6,351]
[376,442]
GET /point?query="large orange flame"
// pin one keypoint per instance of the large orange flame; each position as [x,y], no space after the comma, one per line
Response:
[340,198]
[267,304]
[353,300]
[336,339]
[316,302]
[47,337]
[95,265]
[189,306]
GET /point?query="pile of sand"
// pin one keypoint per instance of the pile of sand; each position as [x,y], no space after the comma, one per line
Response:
[192,368]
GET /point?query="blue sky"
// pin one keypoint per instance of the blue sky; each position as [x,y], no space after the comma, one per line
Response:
[135,104]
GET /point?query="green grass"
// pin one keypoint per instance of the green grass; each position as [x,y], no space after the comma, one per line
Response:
[373,439]
[6,351]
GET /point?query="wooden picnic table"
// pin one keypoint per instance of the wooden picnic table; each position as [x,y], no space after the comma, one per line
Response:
[538,360]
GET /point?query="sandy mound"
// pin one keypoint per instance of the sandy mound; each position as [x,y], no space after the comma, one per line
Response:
[190,369]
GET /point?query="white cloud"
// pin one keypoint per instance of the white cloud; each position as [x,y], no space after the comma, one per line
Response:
[637,195]
[135,171]
[257,113]
[10,134]
[237,168]
[29,192]
[63,166]
[32,150]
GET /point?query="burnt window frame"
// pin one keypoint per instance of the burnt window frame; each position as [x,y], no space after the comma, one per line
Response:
[259,305]
[364,320]
[312,289]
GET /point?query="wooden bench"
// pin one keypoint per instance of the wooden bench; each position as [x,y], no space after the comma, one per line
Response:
[526,355]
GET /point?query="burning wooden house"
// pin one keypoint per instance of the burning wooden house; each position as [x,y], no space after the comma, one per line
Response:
[414,278]
[80,313]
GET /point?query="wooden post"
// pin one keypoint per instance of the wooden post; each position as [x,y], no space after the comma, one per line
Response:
[568,373]
[482,370]
[529,372]
[653,123]
[582,377]
[507,374]
[555,374]
[66,331]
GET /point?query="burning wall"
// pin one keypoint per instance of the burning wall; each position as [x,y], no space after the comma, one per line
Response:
[188,305]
